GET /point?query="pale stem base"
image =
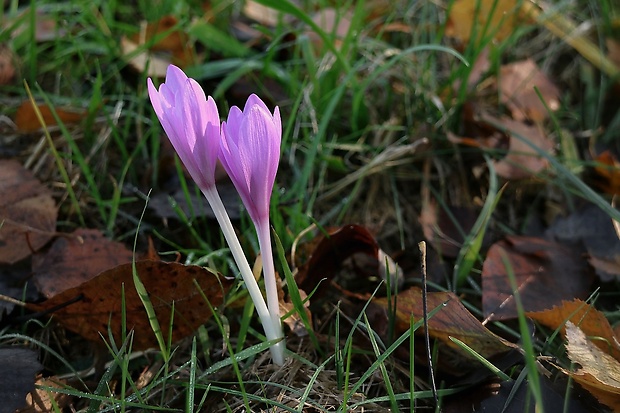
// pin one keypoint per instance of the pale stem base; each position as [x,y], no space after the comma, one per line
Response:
[273,330]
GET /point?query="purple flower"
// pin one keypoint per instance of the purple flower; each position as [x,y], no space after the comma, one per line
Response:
[191,122]
[250,154]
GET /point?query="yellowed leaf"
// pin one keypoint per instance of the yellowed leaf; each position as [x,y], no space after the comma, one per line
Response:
[599,372]
[469,17]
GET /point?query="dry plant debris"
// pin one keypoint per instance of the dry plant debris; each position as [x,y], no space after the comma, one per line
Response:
[27,212]
[93,306]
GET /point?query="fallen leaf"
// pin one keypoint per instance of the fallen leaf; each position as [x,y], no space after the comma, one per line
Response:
[18,368]
[452,320]
[76,258]
[519,86]
[7,65]
[330,252]
[171,46]
[599,372]
[545,272]
[608,173]
[592,227]
[591,321]
[27,213]
[89,308]
[522,160]
[46,25]
[27,121]
[261,13]
[468,18]
[43,400]
[294,320]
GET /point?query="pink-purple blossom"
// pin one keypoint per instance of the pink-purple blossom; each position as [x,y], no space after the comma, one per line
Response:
[250,153]
[191,121]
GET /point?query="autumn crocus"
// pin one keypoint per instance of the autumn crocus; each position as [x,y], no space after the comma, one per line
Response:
[250,154]
[192,123]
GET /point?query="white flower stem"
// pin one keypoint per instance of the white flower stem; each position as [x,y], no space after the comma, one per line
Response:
[273,330]
[264,241]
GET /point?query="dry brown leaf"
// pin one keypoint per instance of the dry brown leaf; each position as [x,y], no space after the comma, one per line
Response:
[589,319]
[27,121]
[613,51]
[329,254]
[599,372]
[90,307]
[452,320]
[174,47]
[7,65]
[608,171]
[42,400]
[500,16]
[27,213]
[260,13]
[75,259]
[518,85]
[546,273]
[522,161]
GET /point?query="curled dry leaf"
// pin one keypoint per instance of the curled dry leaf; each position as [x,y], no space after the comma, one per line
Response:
[27,213]
[452,320]
[329,253]
[599,373]
[519,86]
[89,308]
[74,259]
[545,272]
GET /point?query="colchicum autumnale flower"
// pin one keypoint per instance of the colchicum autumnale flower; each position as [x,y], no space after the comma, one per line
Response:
[192,123]
[250,154]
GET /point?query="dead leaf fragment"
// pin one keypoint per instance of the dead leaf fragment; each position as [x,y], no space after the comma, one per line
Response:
[27,121]
[592,227]
[591,321]
[599,372]
[329,254]
[453,320]
[522,160]
[170,46]
[546,273]
[27,213]
[518,86]
[7,65]
[498,17]
[42,400]
[96,303]
[75,259]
